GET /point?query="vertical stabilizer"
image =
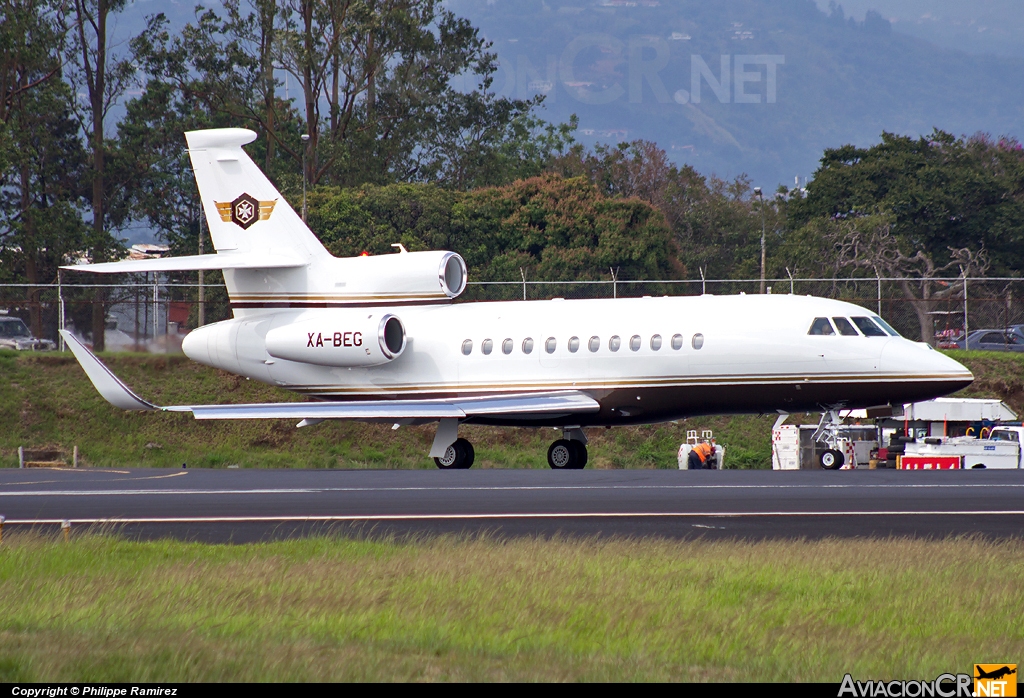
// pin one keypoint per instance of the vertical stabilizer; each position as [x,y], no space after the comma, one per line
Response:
[244,210]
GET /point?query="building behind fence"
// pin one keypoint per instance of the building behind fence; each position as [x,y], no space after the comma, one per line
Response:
[154,315]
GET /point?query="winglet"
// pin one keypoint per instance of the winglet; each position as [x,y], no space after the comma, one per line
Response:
[109,386]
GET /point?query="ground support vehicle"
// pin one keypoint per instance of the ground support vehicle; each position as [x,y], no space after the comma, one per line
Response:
[718,459]
[956,452]
[14,334]
[795,448]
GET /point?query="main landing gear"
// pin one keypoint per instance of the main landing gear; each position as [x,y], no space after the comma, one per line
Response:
[569,452]
[452,453]
[458,456]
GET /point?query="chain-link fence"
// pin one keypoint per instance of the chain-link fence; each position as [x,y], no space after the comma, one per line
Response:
[154,315]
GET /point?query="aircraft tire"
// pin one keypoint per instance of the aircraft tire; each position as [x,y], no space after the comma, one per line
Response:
[562,455]
[581,454]
[468,453]
[458,456]
[832,459]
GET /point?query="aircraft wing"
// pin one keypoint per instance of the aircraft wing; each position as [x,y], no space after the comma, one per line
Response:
[541,404]
[196,262]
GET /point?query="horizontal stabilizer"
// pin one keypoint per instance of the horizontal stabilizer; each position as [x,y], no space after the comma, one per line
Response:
[522,404]
[204,262]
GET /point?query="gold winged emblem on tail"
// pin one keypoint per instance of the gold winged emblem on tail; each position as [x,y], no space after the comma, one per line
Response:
[245,210]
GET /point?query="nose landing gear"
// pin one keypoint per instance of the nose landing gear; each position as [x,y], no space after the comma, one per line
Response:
[828,434]
[569,452]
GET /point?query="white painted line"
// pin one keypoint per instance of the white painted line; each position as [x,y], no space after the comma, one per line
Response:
[484,488]
[477,517]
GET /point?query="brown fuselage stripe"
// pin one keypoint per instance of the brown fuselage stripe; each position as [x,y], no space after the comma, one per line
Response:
[677,382]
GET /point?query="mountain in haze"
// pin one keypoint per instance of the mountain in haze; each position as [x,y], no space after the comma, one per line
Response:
[980,26]
[741,86]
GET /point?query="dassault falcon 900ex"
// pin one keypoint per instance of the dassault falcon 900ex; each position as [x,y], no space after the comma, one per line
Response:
[379,338]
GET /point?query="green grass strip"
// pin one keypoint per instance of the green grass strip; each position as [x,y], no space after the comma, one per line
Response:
[100,608]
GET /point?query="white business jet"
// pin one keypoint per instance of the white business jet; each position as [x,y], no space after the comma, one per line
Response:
[379,339]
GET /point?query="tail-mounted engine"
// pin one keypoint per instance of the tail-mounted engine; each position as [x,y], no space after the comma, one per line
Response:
[409,277]
[341,338]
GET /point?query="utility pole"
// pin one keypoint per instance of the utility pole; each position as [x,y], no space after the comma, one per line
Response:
[305,147]
[757,193]
[202,289]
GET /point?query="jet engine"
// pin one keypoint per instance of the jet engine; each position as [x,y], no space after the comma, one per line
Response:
[400,278]
[340,338]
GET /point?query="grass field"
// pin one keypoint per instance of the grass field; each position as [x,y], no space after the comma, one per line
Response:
[104,609]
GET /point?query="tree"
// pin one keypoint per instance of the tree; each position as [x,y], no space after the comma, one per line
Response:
[41,158]
[914,209]
[556,228]
[378,99]
[104,79]
[868,243]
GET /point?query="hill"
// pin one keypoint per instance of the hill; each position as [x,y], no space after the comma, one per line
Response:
[627,69]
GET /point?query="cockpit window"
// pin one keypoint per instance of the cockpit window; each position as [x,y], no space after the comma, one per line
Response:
[821,325]
[844,327]
[885,326]
[869,328]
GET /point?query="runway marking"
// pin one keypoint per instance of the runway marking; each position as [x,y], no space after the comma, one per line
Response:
[116,479]
[495,488]
[479,517]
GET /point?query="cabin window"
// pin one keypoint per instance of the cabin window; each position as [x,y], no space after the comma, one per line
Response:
[614,343]
[506,346]
[528,345]
[869,328]
[594,344]
[467,347]
[550,344]
[634,343]
[698,341]
[677,341]
[486,346]
[574,344]
[656,342]
[844,327]
[821,326]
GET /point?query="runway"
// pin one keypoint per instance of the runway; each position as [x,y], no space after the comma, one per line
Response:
[252,505]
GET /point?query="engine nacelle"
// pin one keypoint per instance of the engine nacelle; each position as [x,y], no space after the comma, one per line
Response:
[341,338]
[400,278]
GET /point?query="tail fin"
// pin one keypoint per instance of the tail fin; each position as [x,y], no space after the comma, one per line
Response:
[244,210]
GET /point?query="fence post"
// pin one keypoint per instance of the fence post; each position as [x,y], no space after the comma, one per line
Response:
[615,282]
[21,456]
[60,309]
[703,282]
[879,280]
[523,274]
[156,303]
[790,274]
[967,326]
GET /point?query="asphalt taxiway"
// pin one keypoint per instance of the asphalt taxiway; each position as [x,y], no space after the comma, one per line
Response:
[246,505]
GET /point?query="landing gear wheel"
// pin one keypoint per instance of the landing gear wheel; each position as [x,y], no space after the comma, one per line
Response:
[458,456]
[581,454]
[468,454]
[563,455]
[832,459]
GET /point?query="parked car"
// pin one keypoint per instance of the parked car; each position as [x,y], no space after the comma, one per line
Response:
[994,340]
[14,334]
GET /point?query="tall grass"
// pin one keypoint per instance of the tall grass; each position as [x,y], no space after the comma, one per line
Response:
[106,609]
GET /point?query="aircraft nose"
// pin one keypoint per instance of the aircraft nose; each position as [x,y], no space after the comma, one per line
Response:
[935,373]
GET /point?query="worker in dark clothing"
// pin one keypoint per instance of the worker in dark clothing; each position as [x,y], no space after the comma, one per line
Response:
[701,457]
